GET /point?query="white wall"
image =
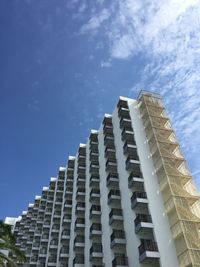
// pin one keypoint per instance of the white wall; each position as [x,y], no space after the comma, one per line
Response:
[159,217]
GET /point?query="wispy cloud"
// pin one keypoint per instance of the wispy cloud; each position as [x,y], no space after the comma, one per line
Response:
[105,64]
[95,21]
[166,34]
[33,105]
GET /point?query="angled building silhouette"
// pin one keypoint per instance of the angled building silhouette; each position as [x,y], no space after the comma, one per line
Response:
[126,198]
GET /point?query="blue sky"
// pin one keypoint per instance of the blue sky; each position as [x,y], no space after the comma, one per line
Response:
[64,64]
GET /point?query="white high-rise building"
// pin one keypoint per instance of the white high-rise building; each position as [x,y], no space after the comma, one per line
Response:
[126,199]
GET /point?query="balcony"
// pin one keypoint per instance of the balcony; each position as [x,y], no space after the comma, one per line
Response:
[109,140]
[125,123]
[122,103]
[68,204]
[82,150]
[80,181]
[111,165]
[55,228]
[80,194]
[34,260]
[80,208]
[143,224]
[52,260]
[95,211]
[94,146]
[81,178]
[108,128]
[132,162]
[136,181]
[95,230]
[110,153]
[57,214]
[81,169]
[46,224]
[94,168]
[94,194]
[80,224]
[79,261]
[65,234]
[67,218]
[70,179]
[112,180]
[37,233]
[94,180]
[130,148]
[81,159]
[79,242]
[116,217]
[69,190]
[54,244]
[114,196]
[64,252]
[94,156]
[120,261]
[96,251]
[45,238]
[123,112]
[128,136]
[70,171]
[36,246]
[59,189]
[43,253]
[118,239]
[139,201]
[148,251]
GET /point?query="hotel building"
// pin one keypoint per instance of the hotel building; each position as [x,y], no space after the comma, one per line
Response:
[126,198]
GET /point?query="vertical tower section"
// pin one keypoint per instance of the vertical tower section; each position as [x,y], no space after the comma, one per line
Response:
[95,240]
[180,197]
[65,185]
[78,212]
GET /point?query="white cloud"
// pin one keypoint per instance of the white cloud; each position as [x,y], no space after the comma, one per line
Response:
[140,24]
[165,34]
[95,21]
[33,105]
[105,64]
[82,8]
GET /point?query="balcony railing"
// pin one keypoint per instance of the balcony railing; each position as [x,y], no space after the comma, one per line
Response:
[122,104]
[138,195]
[142,218]
[114,195]
[95,193]
[108,128]
[120,261]
[95,227]
[124,112]
[96,248]
[110,153]
[95,210]
[111,165]
[125,123]
[118,238]
[112,179]
[115,215]
[147,245]
[129,148]
[128,135]
[79,259]
[117,234]
[79,241]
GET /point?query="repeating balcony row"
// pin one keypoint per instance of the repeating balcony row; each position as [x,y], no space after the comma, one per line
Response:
[138,198]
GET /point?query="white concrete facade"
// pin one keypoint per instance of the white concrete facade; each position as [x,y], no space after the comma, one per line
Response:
[109,209]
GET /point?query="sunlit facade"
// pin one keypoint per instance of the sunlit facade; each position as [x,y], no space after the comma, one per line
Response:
[126,198]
